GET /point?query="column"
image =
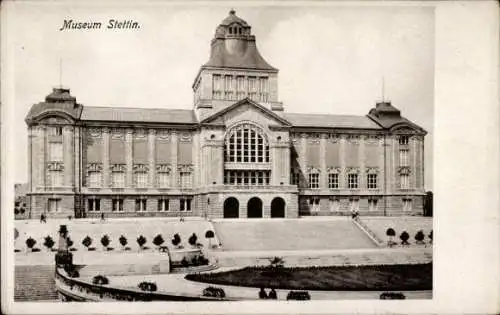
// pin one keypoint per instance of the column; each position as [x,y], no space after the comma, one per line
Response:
[152,157]
[362,162]
[422,164]
[394,164]
[196,159]
[220,155]
[414,155]
[77,160]
[105,157]
[68,155]
[382,162]
[173,150]
[323,184]
[30,157]
[275,165]
[342,175]
[303,153]
[129,157]
[39,149]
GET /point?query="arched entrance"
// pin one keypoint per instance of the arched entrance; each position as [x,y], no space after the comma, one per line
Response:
[278,208]
[231,208]
[254,208]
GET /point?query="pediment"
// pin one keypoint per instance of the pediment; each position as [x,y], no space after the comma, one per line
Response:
[405,128]
[248,110]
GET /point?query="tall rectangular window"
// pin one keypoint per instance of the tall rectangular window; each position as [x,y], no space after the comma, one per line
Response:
[117,204]
[217,86]
[94,204]
[403,140]
[407,204]
[333,181]
[54,205]
[264,89]
[55,131]
[185,180]
[403,157]
[314,180]
[55,179]
[295,178]
[372,181]
[352,181]
[372,204]
[141,180]
[240,87]
[163,204]
[185,204]
[118,179]
[405,181]
[95,179]
[140,205]
[334,205]
[163,180]
[229,83]
[56,151]
[252,88]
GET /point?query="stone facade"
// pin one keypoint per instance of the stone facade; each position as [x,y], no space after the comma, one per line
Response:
[236,154]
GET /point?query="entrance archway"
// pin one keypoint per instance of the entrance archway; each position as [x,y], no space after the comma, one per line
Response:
[254,208]
[231,208]
[278,208]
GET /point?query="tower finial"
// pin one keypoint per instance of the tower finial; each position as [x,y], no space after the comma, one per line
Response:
[232,12]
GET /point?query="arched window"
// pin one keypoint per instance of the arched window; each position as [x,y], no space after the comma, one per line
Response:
[246,143]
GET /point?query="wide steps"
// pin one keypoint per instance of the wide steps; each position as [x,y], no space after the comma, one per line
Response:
[34,283]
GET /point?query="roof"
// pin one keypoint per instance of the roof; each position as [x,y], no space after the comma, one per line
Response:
[148,115]
[330,121]
[232,18]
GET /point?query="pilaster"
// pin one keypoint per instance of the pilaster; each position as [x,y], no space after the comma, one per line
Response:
[39,151]
[129,157]
[105,157]
[323,177]
[151,157]
[303,153]
[173,150]
[414,155]
[68,155]
[342,175]
[362,162]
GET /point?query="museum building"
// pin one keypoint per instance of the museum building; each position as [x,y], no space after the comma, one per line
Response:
[236,154]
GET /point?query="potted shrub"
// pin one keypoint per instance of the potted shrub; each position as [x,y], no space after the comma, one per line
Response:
[430,236]
[105,242]
[214,292]
[209,235]
[176,240]
[123,242]
[87,241]
[141,240]
[147,286]
[390,233]
[419,237]
[48,242]
[158,241]
[404,238]
[193,240]
[30,243]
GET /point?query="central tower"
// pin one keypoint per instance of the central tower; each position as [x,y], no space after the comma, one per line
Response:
[235,71]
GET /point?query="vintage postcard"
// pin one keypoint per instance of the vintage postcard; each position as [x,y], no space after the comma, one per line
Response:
[188,154]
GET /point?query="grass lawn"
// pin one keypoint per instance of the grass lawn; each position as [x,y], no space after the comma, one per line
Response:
[363,278]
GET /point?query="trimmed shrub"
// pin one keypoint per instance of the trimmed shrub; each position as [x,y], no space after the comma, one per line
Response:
[147,286]
[404,238]
[419,237]
[430,236]
[192,239]
[123,241]
[87,241]
[48,242]
[298,295]
[176,240]
[30,242]
[141,240]
[214,292]
[100,280]
[105,241]
[158,240]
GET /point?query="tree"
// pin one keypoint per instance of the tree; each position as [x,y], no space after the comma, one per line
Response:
[87,241]
[193,239]
[277,262]
[123,241]
[404,238]
[105,241]
[48,242]
[390,233]
[209,235]
[430,236]
[30,243]
[158,240]
[176,240]
[141,240]
[419,237]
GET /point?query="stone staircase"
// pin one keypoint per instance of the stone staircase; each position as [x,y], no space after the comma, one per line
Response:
[34,283]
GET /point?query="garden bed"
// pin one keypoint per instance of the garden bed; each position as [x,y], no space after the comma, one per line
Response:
[341,278]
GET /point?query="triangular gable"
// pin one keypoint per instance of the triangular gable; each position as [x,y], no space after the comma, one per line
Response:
[246,101]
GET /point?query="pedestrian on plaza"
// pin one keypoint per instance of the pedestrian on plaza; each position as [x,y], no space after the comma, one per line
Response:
[272,294]
[102,216]
[262,294]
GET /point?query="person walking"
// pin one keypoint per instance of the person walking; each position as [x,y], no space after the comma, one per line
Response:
[102,216]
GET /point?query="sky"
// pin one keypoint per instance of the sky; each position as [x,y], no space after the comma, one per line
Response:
[332,59]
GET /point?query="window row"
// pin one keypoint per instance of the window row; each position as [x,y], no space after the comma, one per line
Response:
[163,180]
[253,178]
[334,204]
[94,204]
[333,180]
[234,88]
